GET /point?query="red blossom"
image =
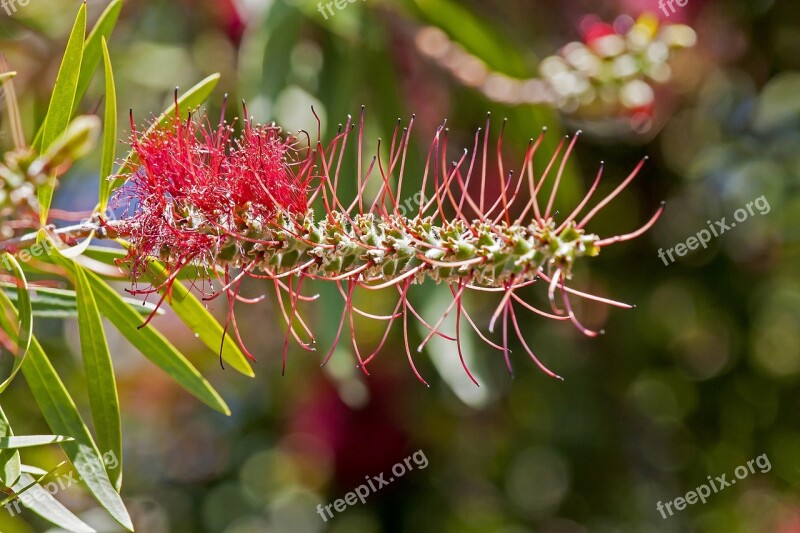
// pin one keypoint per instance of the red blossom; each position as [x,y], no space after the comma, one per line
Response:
[193,181]
[258,172]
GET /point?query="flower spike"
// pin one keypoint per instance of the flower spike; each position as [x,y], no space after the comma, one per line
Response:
[242,205]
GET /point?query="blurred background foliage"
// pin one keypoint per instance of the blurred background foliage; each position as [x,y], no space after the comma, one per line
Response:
[699,378]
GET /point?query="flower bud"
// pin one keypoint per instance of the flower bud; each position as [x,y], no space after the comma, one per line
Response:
[5,76]
[79,139]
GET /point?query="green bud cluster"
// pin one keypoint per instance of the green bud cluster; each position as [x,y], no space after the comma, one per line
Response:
[23,171]
[377,248]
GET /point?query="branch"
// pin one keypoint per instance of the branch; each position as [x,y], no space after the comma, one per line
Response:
[101,230]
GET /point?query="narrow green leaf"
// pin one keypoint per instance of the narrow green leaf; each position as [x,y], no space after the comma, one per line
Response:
[99,370]
[13,334]
[62,416]
[20,334]
[23,305]
[475,34]
[14,120]
[200,321]
[91,55]
[33,470]
[153,345]
[93,49]
[10,466]
[27,441]
[22,489]
[62,303]
[60,110]
[191,99]
[106,255]
[109,132]
[40,501]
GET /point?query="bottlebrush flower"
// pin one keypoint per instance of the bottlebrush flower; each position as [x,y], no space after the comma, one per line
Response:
[240,207]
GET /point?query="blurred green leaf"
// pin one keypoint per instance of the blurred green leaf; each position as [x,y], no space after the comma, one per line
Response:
[197,317]
[474,34]
[153,345]
[60,110]
[779,102]
[27,441]
[109,132]
[280,31]
[190,99]
[62,416]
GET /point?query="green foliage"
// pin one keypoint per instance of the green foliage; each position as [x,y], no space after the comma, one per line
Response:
[702,376]
[20,335]
[153,344]
[477,35]
[47,302]
[100,381]
[94,49]
[109,131]
[61,102]
[91,301]
[46,506]
[14,443]
[61,414]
